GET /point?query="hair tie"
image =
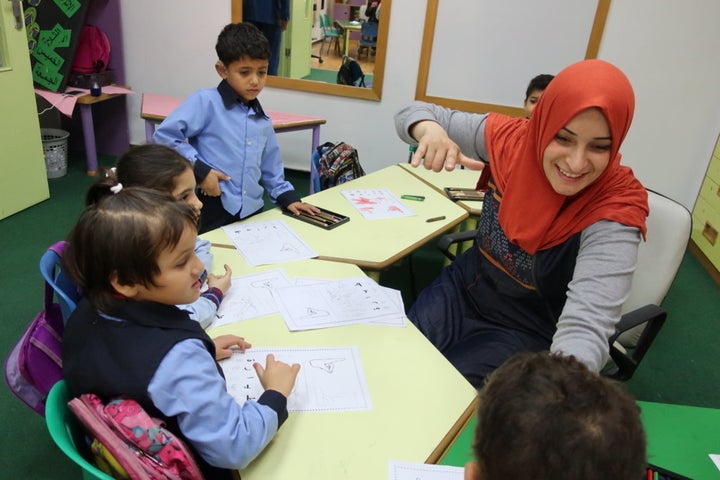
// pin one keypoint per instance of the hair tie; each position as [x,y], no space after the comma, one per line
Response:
[116,188]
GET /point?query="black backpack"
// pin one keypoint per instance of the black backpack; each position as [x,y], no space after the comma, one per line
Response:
[338,163]
[350,73]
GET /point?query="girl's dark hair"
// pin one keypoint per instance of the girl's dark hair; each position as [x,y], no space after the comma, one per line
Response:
[238,40]
[150,166]
[123,235]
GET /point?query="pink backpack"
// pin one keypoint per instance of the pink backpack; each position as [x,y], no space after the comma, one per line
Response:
[128,443]
[34,364]
[93,51]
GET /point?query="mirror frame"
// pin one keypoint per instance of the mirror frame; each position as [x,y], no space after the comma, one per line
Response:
[374,93]
[591,51]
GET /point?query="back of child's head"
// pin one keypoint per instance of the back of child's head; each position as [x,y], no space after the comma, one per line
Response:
[539,83]
[150,166]
[547,416]
[121,236]
[238,40]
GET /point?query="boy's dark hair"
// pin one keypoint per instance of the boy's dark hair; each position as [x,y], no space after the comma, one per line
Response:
[123,234]
[150,166]
[547,416]
[539,82]
[238,40]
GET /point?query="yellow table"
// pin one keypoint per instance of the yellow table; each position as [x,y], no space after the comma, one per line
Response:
[373,245]
[348,26]
[459,178]
[419,401]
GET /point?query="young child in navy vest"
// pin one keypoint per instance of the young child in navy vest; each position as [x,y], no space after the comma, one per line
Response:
[132,254]
[162,168]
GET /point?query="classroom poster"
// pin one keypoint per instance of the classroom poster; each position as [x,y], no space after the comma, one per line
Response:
[53,29]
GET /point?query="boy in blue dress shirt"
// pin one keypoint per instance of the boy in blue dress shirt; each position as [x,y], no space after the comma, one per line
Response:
[229,139]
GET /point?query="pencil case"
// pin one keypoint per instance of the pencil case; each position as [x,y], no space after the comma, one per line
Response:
[325,219]
[464,194]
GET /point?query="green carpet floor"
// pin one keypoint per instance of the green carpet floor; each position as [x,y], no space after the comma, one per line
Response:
[680,367]
[330,76]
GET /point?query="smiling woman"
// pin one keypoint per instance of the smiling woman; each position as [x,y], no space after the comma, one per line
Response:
[372,93]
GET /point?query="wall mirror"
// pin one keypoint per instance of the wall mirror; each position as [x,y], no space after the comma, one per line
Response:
[469,52]
[373,92]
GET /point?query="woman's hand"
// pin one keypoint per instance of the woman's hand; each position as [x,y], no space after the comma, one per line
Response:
[224,345]
[436,150]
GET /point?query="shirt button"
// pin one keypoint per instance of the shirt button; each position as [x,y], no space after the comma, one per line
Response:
[249,142]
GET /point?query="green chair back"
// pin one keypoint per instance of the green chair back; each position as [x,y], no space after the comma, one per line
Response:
[66,431]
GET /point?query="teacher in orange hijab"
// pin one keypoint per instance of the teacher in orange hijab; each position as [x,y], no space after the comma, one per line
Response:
[557,238]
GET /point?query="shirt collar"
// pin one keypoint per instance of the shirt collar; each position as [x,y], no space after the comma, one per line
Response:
[230,98]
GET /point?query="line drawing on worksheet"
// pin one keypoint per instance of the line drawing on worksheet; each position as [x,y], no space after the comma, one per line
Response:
[250,296]
[421,471]
[331,379]
[335,303]
[272,241]
[377,203]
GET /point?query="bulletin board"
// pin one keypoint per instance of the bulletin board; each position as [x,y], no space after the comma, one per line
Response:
[479,55]
[53,28]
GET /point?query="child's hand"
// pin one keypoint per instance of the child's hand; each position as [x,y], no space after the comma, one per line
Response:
[224,344]
[210,186]
[297,207]
[221,281]
[277,375]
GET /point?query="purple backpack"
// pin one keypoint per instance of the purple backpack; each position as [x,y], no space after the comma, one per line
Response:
[34,365]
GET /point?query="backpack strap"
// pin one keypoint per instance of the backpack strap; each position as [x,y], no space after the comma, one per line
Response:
[58,247]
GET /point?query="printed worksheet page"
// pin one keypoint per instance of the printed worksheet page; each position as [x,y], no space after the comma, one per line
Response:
[422,471]
[263,243]
[377,203]
[390,320]
[331,379]
[250,296]
[331,304]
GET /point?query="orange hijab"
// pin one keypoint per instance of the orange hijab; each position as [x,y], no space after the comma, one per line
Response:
[532,214]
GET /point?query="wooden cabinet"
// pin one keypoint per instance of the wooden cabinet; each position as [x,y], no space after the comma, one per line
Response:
[706,215]
[349,10]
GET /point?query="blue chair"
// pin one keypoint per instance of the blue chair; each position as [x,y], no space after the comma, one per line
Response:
[66,431]
[65,289]
[368,39]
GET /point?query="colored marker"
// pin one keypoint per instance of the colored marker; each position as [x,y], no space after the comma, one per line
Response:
[435,219]
[417,198]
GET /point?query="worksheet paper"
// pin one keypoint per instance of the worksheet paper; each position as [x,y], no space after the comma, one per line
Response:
[332,304]
[250,296]
[391,320]
[331,379]
[377,203]
[422,471]
[269,242]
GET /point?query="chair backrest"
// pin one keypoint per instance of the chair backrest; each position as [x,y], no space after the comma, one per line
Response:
[66,431]
[325,21]
[67,292]
[369,31]
[668,232]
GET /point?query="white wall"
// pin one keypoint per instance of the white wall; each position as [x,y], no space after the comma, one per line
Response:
[668,49]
